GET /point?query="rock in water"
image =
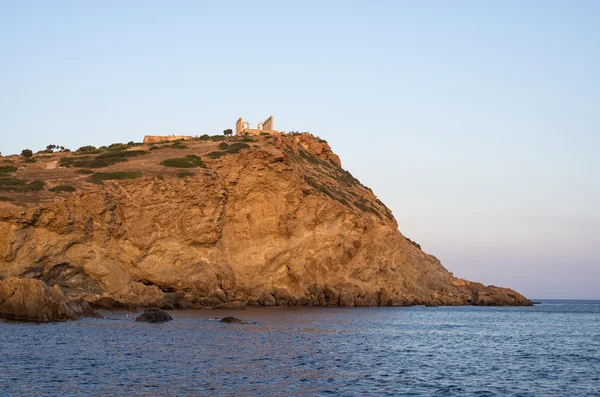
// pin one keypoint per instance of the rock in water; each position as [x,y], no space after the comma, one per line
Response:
[154,315]
[33,300]
[232,320]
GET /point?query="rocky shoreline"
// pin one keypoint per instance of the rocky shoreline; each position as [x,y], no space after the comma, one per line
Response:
[263,221]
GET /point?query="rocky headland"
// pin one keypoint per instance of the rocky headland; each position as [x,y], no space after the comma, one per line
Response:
[272,220]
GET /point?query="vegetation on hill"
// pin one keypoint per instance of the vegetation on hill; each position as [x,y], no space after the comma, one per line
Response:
[190,161]
[99,177]
[20,185]
[62,188]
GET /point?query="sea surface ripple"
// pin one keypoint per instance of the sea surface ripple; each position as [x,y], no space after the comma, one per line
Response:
[552,349]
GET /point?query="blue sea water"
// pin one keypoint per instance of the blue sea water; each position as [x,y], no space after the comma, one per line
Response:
[552,349]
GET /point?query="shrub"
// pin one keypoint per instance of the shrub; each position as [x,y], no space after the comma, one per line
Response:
[237,147]
[62,188]
[26,153]
[6,169]
[178,145]
[19,185]
[185,174]
[190,161]
[121,154]
[216,155]
[99,177]
[154,148]
[117,146]
[413,243]
[204,137]
[223,146]
[4,198]
[10,182]
[87,162]
[89,149]
[83,171]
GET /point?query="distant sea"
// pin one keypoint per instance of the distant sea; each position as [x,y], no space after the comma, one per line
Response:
[551,349]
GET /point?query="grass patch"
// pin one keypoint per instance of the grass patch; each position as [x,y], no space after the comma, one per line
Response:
[103,160]
[99,177]
[62,188]
[83,171]
[89,149]
[7,169]
[190,161]
[91,162]
[19,185]
[6,199]
[237,147]
[178,145]
[364,205]
[223,146]
[185,174]
[216,155]
[121,154]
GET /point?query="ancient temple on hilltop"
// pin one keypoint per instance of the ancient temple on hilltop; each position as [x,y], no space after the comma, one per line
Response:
[242,127]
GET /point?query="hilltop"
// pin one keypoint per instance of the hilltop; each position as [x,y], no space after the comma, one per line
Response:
[264,220]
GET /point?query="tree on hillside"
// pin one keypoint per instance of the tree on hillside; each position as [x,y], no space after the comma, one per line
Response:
[228,131]
[26,153]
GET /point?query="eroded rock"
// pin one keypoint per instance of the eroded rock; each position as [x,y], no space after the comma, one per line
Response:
[33,300]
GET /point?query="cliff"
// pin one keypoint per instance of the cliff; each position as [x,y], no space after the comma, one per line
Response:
[268,220]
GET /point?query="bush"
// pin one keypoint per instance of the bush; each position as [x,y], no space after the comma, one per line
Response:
[237,147]
[154,148]
[216,155]
[99,177]
[117,146]
[89,149]
[62,188]
[19,185]
[83,171]
[88,162]
[121,154]
[26,153]
[4,198]
[223,146]
[185,174]
[190,161]
[178,145]
[414,243]
[7,169]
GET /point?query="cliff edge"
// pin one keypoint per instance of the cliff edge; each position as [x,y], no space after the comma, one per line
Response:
[268,220]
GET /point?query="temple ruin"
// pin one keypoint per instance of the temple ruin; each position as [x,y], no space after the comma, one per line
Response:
[242,127]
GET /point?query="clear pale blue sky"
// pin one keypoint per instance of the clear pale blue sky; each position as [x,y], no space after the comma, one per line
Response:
[477,123]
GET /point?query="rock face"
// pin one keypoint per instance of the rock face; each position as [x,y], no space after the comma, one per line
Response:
[275,223]
[154,315]
[33,300]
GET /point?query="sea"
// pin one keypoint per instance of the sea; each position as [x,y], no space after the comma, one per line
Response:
[550,349]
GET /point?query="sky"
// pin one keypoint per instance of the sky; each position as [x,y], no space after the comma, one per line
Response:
[476,123]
